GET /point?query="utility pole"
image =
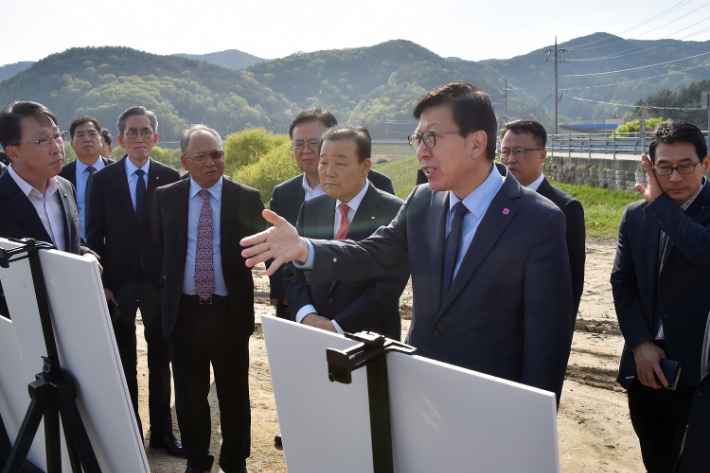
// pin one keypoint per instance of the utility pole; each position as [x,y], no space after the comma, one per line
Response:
[506,100]
[556,60]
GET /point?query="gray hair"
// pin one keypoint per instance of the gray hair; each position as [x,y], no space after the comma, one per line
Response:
[137,110]
[198,129]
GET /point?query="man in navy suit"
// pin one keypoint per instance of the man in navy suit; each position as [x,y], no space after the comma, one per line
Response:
[286,199]
[482,294]
[118,226]
[352,208]
[659,283]
[34,203]
[522,151]
[85,135]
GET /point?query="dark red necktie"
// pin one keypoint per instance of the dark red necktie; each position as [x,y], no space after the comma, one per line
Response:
[344,223]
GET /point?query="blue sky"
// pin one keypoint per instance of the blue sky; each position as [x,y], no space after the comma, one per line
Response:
[469,29]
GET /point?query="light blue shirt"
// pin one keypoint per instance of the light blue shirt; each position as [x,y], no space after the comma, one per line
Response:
[133,177]
[193,218]
[82,175]
[477,203]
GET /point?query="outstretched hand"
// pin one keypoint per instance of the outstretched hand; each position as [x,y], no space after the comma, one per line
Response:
[280,243]
[653,190]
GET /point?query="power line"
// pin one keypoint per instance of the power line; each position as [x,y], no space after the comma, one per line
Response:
[637,68]
[637,106]
[635,80]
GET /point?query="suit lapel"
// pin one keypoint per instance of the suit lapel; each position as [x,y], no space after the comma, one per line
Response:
[23,209]
[438,212]
[153,183]
[66,208]
[502,210]
[367,213]
[124,189]
[228,213]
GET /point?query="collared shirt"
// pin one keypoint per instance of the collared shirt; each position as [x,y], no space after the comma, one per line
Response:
[311,193]
[353,205]
[193,218]
[48,206]
[535,185]
[477,203]
[82,175]
[133,177]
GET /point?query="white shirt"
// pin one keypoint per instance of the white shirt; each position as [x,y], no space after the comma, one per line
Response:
[48,206]
[353,205]
[193,218]
[535,185]
[311,193]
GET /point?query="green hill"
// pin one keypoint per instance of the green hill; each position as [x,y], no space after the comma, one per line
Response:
[231,58]
[9,70]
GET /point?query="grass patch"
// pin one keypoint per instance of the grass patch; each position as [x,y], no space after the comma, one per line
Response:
[393,150]
[602,207]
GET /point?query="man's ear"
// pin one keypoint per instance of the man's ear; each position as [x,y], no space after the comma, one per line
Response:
[478,140]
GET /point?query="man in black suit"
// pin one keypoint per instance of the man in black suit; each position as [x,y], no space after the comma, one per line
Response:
[118,227]
[482,294]
[286,199]
[33,202]
[208,297]
[522,151]
[354,209]
[659,282]
[85,133]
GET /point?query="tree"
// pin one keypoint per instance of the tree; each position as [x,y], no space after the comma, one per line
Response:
[248,147]
[275,167]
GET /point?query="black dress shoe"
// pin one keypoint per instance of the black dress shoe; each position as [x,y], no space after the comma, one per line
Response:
[277,440]
[192,469]
[169,443]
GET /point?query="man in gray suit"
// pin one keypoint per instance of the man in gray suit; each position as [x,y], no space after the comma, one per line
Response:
[483,297]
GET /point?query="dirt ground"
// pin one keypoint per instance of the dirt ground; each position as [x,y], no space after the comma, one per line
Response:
[594,429]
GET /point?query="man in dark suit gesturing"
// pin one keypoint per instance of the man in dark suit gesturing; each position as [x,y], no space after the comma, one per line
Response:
[482,295]
[208,297]
[659,282]
[34,203]
[118,227]
[522,151]
[85,135]
[286,199]
[352,208]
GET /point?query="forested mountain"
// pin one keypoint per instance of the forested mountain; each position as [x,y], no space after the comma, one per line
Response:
[667,103]
[231,58]
[9,70]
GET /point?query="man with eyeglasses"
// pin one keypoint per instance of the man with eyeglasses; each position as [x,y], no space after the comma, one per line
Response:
[660,287]
[34,202]
[85,133]
[491,282]
[118,225]
[522,151]
[208,297]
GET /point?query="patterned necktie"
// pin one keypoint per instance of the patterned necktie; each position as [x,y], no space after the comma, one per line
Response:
[140,195]
[204,263]
[344,223]
[453,244]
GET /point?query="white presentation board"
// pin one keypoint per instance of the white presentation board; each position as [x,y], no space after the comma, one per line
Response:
[444,418]
[87,350]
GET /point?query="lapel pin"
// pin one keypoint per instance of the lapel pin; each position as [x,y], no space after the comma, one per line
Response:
[506,211]
[372,218]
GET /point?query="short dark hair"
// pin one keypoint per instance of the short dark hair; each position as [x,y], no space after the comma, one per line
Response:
[526,126]
[471,108]
[678,130]
[313,114]
[78,121]
[137,110]
[12,115]
[358,133]
[106,135]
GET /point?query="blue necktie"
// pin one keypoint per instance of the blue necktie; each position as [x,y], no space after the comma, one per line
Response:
[140,195]
[453,243]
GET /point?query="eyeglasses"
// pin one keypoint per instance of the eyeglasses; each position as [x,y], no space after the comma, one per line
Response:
[146,133]
[47,140]
[215,155]
[300,144]
[668,170]
[428,137]
[518,152]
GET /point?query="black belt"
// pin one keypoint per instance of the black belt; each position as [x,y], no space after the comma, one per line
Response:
[212,299]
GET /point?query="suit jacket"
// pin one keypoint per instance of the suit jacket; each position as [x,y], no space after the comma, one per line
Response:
[2,169]
[678,292]
[575,235]
[369,304]
[286,200]
[695,456]
[507,312]
[68,172]
[240,217]
[19,219]
[115,232]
